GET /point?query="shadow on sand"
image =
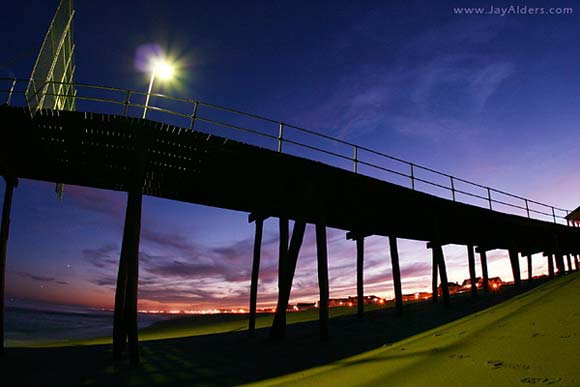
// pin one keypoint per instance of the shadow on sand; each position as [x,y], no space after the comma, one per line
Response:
[235,358]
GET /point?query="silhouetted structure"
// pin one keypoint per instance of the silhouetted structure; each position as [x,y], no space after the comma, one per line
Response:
[144,157]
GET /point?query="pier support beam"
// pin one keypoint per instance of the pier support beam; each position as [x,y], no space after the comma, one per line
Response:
[255,273]
[484,274]
[360,254]
[472,277]
[278,330]
[576,262]
[284,230]
[11,183]
[396,273]
[439,263]
[434,280]
[322,265]
[530,276]
[560,264]
[550,259]
[125,318]
[515,263]
[569,261]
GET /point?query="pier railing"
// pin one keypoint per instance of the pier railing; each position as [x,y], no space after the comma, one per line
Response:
[282,137]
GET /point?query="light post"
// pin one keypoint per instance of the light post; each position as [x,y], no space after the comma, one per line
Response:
[160,68]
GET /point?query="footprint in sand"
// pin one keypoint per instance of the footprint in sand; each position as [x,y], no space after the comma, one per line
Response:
[536,334]
[542,381]
[459,356]
[497,364]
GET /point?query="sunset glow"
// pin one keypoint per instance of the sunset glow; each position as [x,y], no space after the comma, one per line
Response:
[438,89]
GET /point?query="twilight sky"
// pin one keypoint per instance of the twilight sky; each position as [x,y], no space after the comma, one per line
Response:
[489,98]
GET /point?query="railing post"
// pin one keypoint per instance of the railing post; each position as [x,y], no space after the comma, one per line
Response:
[127,102]
[194,114]
[280,137]
[489,198]
[527,208]
[554,215]
[9,99]
[452,188]
[355,158]
[412,176]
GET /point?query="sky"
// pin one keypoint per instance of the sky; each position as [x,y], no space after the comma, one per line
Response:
[489,98]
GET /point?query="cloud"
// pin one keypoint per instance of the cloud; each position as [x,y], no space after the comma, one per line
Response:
[42,279]
[37,278]
[98,201]
[106,256]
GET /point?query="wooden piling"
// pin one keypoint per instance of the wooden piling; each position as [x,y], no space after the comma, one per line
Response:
[11,183]
[255,273]
[569,261]
[550,258]
[322,266]
[515,263]
[438,252]
[278,330]
[119,319]
[360,251]
[472,276]
[560,264]
[284,231]
[130,259]
[484,274]
[435,279]
[396,273]
[530,275]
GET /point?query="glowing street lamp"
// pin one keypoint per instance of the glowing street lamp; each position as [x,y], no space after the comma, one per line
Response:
[162,69]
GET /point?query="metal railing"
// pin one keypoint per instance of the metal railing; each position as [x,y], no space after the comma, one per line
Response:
[193,114]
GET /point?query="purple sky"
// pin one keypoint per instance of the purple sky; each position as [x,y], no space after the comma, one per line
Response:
[489,98]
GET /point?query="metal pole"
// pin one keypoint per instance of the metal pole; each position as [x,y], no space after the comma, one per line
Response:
[9,99]
[149,91]
[452,188]
[280,137]
[194,114]
[355,158]
[127,102]
[412,177]
[554,215]
[527,208]
[489,198]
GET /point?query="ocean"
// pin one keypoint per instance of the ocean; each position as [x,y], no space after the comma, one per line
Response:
[28,324]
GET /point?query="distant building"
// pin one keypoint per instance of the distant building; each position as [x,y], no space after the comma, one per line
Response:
[494,284]
[306,305]
[466,285]
[353,301]
[417,296]
[452,286]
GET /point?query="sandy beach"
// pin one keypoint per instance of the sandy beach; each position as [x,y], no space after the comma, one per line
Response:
[532,337]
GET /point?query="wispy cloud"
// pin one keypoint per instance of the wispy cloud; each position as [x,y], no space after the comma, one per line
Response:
[41,278]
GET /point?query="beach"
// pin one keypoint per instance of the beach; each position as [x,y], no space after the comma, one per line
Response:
[530,338]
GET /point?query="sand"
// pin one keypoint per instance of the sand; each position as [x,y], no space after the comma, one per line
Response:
[532,338]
